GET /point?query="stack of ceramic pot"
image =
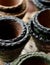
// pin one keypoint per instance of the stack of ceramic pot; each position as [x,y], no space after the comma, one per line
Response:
[16,8]
[14,33]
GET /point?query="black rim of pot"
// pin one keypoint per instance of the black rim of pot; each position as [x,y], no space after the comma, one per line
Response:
[22,58]
[39,28]
[45,2]
[10,44]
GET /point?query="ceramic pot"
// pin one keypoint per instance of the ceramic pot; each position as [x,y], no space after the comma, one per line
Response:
[18,10]
[10,5]
[45,2]
[14,34]
[32,59]
[40,26]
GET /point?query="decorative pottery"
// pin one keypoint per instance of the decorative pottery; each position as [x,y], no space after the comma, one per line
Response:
[14,34]
[40,26]
[10,4]
[36,58]
[18,10]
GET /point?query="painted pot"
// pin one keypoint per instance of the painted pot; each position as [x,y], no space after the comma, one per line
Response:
[32,59]
[14,34]
[40,26]
[18,9]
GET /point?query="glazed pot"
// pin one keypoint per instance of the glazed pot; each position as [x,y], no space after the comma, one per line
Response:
[10,4]
[45,2]
[32,59]
[14,35]
[18,10]
[40,26]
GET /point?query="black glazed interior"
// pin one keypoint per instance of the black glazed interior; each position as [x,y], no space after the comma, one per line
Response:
[44,18]
[34,61]
[9,29]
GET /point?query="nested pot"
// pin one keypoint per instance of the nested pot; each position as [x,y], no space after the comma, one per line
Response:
[14,7]
[9,5]
[14,34]
[36,58]
[40,26]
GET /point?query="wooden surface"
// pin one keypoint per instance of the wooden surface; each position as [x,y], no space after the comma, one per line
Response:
[32,10]
[30,46]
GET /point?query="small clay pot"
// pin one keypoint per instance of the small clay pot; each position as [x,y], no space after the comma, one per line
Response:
[32,59]
[15,11]
[40,26]
[14,35]
[10,4]
[45,2]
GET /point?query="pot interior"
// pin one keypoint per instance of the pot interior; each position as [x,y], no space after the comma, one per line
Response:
[34,61]
[9,29]
[9,2]
[44,18]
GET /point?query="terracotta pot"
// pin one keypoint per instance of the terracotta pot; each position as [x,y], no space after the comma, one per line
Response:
[15,11]
[40,26]
[14,35]
[32,58]
[10,4]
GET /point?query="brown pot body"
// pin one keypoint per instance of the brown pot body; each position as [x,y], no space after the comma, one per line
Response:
[8,2]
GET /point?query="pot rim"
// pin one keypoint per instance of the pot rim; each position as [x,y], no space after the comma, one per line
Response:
[17,15]
[1,6]
[38,23]
[22,58]
[38,28]
[26,3]
[12,42]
